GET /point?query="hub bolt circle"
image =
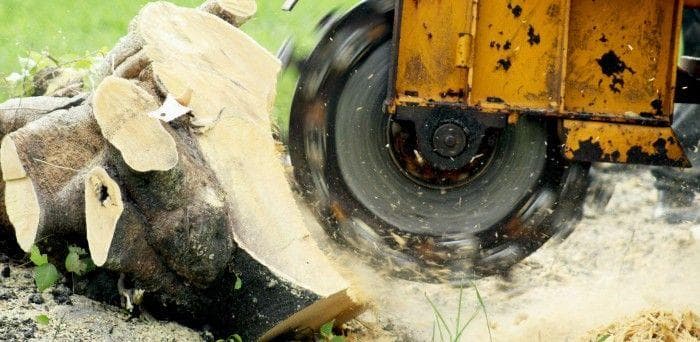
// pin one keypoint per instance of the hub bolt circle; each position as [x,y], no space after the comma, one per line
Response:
[449,140]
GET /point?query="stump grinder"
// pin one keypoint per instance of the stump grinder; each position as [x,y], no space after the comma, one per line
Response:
[450,139]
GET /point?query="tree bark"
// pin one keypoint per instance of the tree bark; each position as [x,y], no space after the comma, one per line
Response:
[183,208]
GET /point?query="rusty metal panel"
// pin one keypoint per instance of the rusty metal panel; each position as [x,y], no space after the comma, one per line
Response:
[622,143]
[519,52]
[621,58]
[433,51]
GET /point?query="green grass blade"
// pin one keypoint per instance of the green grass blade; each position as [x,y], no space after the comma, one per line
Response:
[442,337]
[439,315]
[461,331]
[483,308]
[459,310]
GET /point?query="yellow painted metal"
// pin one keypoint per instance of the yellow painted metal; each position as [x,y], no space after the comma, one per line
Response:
[622,143]
[622,56]
[608,61]
[433,45]
[519,52]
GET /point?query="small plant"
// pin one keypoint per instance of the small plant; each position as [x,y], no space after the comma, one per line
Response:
[327,335]
[42,320]
[454,334]
[21,83]
[45,274]
[237,284]
[232,338]
[77,261]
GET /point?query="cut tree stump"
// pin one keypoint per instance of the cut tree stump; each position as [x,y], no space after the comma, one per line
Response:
[184,209]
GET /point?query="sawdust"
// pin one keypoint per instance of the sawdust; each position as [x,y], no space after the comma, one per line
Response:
[612,268]
[651,326]
[614,265]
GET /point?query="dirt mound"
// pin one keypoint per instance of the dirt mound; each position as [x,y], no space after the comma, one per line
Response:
[651,326]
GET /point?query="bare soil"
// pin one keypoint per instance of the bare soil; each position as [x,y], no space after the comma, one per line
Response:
[71,317]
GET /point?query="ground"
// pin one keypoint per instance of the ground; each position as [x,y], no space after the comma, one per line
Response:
[614,265]
[71,317]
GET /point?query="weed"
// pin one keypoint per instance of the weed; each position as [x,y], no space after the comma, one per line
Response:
[327,335]
[455,333]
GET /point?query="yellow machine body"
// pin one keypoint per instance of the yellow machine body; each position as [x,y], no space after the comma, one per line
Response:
[606,69]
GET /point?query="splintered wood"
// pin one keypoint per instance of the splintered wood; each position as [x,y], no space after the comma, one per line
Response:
[183,206]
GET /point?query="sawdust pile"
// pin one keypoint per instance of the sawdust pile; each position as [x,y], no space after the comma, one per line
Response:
[651,326]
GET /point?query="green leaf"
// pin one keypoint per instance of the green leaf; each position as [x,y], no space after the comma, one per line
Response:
[338,339]
[74,264]
[37,258]
[235,338]
[603,338]
[42,320]
[45,276]
[238,284]
[327,329]
[89,264]
[77,250]
[84,63]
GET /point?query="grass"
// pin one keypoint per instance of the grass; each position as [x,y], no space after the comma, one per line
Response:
[63,27]
[443,328]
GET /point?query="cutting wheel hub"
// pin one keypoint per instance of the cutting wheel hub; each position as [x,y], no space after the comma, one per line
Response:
[449,140]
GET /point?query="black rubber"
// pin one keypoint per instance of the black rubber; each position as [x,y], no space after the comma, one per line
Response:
[343,162]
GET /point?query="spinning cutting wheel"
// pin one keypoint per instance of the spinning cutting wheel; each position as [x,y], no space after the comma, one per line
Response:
[438,197]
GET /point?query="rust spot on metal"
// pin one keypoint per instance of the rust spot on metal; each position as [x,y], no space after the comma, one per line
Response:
[532,37]
[612,66]
[517,10]
[637,155]
[671,141]
[504,63]
[411,93]
[592,151]
[494,99]
[658,106]
[624,144]
[506,45]
[453,93]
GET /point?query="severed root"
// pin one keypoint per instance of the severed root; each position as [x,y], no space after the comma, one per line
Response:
[118,240]
[103,209]
[16,113]
[121,110]
[41,162]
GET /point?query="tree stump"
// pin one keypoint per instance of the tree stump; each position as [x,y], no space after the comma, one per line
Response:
[184,207]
